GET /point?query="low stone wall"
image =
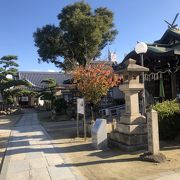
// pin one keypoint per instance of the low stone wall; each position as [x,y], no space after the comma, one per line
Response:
[109,127]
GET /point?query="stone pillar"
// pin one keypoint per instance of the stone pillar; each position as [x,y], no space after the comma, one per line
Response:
[153,132]
[153,154]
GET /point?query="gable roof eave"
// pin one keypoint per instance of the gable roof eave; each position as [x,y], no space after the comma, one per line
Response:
[169,34]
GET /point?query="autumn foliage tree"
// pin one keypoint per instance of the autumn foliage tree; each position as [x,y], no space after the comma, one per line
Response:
[94,81]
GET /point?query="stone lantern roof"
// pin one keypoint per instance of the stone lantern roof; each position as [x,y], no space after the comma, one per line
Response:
[131,66]
[131,73]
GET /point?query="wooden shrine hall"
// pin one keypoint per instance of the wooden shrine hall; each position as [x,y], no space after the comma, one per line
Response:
[163,60]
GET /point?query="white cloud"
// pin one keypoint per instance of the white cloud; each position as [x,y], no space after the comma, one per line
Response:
[40,70]
[51,70]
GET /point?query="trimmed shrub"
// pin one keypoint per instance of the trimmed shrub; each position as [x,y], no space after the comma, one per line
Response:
[169,119]
[3,113]
[60,105]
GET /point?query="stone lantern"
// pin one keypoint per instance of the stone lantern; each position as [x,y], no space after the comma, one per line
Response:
[131,131]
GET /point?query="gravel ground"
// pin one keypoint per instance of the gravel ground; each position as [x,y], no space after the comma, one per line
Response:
[112,163]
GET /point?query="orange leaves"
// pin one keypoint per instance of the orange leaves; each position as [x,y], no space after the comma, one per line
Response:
[94,81]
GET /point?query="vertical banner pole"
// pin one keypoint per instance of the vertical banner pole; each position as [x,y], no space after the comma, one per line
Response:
[84,125]
[77,124]
[81,110]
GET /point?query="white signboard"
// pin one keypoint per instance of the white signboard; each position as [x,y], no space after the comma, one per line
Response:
[24,98]
[80,105]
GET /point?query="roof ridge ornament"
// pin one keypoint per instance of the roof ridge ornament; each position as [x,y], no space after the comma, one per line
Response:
[172,25]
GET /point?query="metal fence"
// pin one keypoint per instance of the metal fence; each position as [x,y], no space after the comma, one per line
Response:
[112,111]
[5,107]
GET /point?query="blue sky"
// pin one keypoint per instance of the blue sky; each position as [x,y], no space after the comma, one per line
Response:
[136,20]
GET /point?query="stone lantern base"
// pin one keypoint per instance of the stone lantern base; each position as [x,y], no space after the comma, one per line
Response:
[116,138]
[130,137]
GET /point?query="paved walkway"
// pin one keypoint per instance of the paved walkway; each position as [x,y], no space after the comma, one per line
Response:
[30,154]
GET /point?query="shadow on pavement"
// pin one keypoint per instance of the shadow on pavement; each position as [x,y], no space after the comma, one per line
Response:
[98,162]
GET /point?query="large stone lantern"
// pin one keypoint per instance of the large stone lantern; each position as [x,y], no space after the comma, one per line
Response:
[130,132]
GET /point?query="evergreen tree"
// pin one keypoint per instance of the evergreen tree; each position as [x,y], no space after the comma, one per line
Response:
[8,77]
[79,38]
[48,92]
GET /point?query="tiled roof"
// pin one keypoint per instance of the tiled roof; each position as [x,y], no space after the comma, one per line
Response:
[35,78]
[102,62]
[168,35]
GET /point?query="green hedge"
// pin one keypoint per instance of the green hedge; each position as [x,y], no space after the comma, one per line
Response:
[169,119]
[60,105]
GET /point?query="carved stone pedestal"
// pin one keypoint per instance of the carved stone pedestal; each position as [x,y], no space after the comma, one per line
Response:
[130,137]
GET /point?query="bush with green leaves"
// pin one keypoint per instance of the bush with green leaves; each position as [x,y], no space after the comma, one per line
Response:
[166,108]
[60,105]
[169,119]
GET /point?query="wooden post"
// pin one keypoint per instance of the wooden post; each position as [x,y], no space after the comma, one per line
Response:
[173,85]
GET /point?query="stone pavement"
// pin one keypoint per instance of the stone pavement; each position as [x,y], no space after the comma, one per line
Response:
[31,156]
